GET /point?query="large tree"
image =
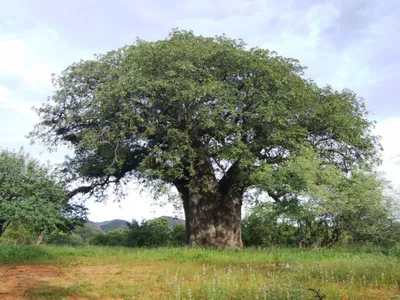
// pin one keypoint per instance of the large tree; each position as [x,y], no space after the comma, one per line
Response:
[202,114]
[34,195]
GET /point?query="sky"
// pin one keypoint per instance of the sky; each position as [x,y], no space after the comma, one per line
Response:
[347,44]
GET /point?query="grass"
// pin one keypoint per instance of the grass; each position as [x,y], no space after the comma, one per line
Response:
[182,273]
[54,293]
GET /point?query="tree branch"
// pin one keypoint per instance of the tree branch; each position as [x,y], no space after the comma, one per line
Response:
[90,188]
[2,229]
[276,196]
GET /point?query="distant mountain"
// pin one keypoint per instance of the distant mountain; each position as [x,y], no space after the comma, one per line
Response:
[174,221]
[94,226]
[107,226]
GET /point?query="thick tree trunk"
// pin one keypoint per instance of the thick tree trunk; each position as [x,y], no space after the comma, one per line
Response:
[213,221]
[212,208]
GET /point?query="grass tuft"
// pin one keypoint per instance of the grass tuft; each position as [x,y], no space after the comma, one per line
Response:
[55,293]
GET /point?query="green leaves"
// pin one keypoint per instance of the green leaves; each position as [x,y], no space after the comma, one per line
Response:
[152,110]
[328,209]
[31,193]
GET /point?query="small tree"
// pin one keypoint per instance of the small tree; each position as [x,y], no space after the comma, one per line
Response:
[267,225]
[322,205]
[30,193]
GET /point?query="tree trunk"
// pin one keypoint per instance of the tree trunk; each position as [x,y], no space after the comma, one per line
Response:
[336,236]
[3,226]
[213,221]
[212,207]
[39,239]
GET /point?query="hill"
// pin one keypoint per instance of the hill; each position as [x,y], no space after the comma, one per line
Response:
[107,226]
[96,228]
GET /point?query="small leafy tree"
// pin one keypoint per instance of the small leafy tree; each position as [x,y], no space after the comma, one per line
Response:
[268,225]
[322,206]
[32,194]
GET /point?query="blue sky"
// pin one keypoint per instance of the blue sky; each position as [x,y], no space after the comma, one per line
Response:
[347,44]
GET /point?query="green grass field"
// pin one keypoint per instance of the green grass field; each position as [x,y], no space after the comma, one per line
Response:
[45,272]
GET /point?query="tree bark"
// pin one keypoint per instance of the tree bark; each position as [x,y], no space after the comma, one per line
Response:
[39,239]
[212,209]
[213,220]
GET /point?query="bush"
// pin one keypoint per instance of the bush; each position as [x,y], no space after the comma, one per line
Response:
[154,233]
[178,236]
[65,239]
[118,237]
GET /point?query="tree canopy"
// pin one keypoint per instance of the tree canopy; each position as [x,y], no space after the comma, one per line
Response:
[203,114]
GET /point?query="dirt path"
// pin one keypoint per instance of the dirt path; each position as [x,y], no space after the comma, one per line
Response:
[16,280]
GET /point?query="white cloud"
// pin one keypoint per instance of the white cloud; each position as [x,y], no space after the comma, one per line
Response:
[33,55]
[26,60]
[13,52]
[389,130]
[8,100]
